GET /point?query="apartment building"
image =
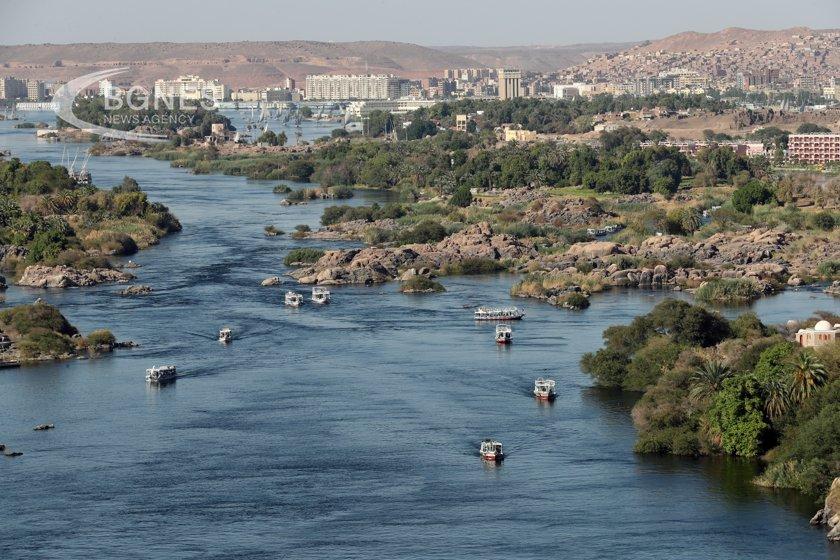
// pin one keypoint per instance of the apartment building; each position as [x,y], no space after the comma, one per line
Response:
[327,87]
[814,148]
[192,88]
[509,83]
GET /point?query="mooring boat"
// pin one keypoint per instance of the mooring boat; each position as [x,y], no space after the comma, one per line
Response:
[320,295]
[491,450]
[544,389]
[498,314]
[225,335]
[160,374]
[293,299]
[504,334]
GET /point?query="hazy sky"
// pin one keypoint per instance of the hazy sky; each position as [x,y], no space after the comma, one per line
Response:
[427,22]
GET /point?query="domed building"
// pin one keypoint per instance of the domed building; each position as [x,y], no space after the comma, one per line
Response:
[821,334]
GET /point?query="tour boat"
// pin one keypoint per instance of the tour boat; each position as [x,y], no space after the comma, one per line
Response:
[503,334]
[544,389]
[160,374]
[320,295]
[293,299]
[491,450]
[225,335]
[498,314]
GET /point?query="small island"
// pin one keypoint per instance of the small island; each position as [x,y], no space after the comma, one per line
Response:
[38,332]
[57,230]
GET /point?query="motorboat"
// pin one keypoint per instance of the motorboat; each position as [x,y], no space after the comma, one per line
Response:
[225,335]
[504,334]
[293,299]
[544,389]
[320,295]
[160,374]
[491,450]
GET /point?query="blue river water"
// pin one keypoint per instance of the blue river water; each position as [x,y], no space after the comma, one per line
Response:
[349,430]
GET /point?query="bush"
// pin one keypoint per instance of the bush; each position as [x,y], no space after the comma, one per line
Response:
[281,189]
[824,221]
[754,192]
[272,231]
[608,367]
[25,318]
[303,255]
[101,337]
[649,363]
[728,290]
[421,284]
[574,300]
[462,197]
[737,416]
[44,342]
[829,269]
[474,266]
[424,232]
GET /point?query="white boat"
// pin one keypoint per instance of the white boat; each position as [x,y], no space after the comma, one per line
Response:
[293,299]
[504,334]
[320,295]
[225,335]
[160,374]
[498,314]
[491,450]
[544,389]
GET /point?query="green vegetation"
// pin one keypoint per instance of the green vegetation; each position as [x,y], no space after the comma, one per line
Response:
[272,231]
[303,255]
[39,331]
[728,290]
[272,139]
[59,221]
[730,387]
[473,266]
[421,284]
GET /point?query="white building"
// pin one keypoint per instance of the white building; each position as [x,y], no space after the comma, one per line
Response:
[821,334]
[327,87]
[192,88]
[562,91]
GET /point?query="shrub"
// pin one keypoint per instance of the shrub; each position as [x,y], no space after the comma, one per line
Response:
[737,416]
[281,189]
[424,232]
[461,197]
[101,337]
[303,228]
[473,266]
[44,342]
[728,290]
[574,300]
[829,269]
[649,363]
[421,284]
[754,192]
[608,367]
[303,255]
[272,231]
[824,221]
[25,318]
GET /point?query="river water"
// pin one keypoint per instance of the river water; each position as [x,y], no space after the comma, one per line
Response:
[351,430]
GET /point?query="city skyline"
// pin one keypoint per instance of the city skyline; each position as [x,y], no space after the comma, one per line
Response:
[489,23]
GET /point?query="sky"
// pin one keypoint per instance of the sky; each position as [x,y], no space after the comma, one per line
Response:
[426,22]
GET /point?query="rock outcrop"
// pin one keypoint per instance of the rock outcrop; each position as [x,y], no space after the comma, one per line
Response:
[271,281]
[829,515]
[136,290]
[61,276]
[374,265]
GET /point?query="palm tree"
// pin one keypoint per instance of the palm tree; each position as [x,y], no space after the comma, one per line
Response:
[776,398]
[808,374]
[708,379]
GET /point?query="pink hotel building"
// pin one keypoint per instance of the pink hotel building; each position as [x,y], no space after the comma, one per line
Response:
[814,148]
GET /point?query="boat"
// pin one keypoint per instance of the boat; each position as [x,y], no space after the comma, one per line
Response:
[293,299]
[498,314]
[320,295]
[491,450]
[544,389]
[225,335]
[160,374]
[504,334]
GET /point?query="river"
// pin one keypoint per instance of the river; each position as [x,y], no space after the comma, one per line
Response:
[350,430]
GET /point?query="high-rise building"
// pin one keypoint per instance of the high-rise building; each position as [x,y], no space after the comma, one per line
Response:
[12,88]
[192,88]
[36,90]
[509,83]
[346,87]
